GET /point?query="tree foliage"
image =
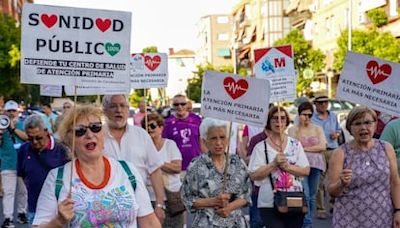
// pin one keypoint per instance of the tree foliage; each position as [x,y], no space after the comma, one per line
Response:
[193,90]
[378,17]
[304,57]
[370,42]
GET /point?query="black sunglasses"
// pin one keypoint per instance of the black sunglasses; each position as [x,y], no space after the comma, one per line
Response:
[153,125]
[181,104]
[37,138]
[309,115]
[94,127]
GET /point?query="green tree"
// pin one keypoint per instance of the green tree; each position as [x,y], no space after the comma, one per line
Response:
[378,17]
[304,57]
[193,90]
[370,42]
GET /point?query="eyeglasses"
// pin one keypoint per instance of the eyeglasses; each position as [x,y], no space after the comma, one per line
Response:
[94,127]
[153,125]
[309,115]
[115,106]
[276,118]
[367,123]
[66,107]
[179,104]
[37,138]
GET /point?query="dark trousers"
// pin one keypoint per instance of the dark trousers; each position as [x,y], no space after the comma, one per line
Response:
[273,219]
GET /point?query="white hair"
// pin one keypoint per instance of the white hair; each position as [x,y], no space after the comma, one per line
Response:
[107,100]
[208,123]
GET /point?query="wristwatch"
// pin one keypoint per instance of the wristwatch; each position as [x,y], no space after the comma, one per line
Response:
[162,206]
[396,210]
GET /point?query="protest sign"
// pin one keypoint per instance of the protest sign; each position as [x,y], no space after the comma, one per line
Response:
[51,90]
[370,81]
[276,64]
[149,70]
[75,46]
[235,98]
[93,90]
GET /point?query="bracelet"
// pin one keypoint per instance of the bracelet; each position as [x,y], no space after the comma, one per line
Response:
[396,210]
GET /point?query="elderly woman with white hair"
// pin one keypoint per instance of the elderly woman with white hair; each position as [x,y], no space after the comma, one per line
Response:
[203,190]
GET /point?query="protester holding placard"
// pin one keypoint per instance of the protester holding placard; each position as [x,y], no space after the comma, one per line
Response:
[214,196]
[332,130]
[313,141]
[104,192]
[169,154]
[363,177]
[278,164]
[133,144]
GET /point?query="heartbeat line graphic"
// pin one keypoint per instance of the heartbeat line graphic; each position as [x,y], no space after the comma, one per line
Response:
[375,71]
[151,63]
[233,88]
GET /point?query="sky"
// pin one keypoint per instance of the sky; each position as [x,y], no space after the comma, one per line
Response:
[162,23]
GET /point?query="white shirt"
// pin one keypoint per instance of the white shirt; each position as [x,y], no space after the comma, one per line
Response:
[136,147]
[169,152]
[115,202]
[295,154]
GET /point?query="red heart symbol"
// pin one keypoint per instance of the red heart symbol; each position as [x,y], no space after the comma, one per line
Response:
[152,63]
[235,89]
[377,73]
[103,25]
[49,21]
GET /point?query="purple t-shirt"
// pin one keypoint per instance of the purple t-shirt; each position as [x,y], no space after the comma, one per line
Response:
[185,133]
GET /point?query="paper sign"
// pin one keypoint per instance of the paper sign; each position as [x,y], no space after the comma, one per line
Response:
[370,81]
[276,64]
[93,90]
[74,46]
[51,90]
[235,98]
[149,70]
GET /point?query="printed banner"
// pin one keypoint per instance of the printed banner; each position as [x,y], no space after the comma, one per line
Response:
[149,70]
[235,98]
[74,46]
[51,90]
[276,65]
[93,90]
[370,81]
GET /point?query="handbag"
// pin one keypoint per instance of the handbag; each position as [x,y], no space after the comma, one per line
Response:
[174,202]
[287,202]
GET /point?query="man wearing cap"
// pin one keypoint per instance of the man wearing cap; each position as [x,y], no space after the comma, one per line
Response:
[13,187]
[332,130]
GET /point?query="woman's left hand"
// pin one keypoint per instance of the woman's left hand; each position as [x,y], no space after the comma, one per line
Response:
[224,212]
[396,220]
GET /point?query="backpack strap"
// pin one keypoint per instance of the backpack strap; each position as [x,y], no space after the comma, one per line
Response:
[132,178]
[59,181]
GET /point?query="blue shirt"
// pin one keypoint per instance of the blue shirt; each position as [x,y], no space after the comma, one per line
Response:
[329,125]
[48,120]
[34,172]
[9,148]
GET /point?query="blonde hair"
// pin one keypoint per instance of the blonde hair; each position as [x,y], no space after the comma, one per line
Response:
[67,124]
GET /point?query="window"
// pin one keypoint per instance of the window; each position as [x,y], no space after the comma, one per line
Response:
[222,20]
[223,36]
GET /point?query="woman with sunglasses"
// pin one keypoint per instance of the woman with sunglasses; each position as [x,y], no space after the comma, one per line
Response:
[101,194]
[313,141]
[204,193]
[172,159]
[363,177]
[284,167]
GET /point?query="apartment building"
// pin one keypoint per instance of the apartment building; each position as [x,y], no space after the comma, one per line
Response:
[13,8]
[215,32]
[257,24]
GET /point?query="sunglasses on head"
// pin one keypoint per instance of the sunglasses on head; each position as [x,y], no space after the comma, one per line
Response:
[37,138]
[179,104]
[309,115]
[94,127]
[153,125]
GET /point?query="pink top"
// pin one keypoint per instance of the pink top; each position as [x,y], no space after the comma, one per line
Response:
[137,119]
[316,160]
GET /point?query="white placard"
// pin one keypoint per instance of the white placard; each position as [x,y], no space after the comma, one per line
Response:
[370,81]
[51,90]
[276,64]
[149,70]
[235,98]
[92,90]
[75,46]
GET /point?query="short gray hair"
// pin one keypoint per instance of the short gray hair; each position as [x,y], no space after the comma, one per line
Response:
[34,121]
[107,100]
[208,123]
